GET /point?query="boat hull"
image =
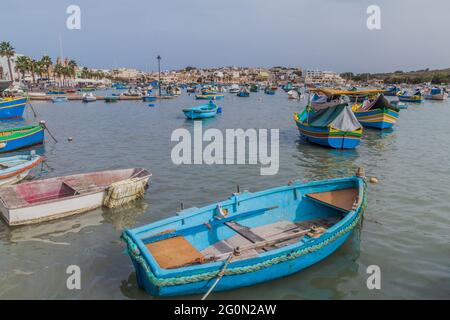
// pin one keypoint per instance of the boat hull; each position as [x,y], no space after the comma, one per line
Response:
[441,96]
[199,115]
[209,96]
[34,137]
[276,271]
[13,108]
[18,172]
[263,267]
[328,137]
[409,99]
[378,118]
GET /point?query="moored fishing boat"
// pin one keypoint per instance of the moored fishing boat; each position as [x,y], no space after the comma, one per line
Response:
[12,107]
[203,111]
[391,91]
[287,87]
[59,99]
[213,96]
[379,113]
[334,127]
[111,98]
[244,92]
[234,88]
[49,199]
[89,97]
[247,239]
[21,137]
[293,94]
[406,96]
[16,168]
[436,94]
[254,88]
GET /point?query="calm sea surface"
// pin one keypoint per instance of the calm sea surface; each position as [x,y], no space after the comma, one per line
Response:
[405,231]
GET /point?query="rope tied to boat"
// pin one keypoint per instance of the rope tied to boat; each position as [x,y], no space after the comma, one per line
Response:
[162,282]
[122,192]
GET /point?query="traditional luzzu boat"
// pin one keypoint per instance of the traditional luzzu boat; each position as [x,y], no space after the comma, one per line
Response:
[16,168]
[436,94]
[247,239]
[49,199]
[379,113]
[211,96]
[22,137]
[391,91]
[335,127]
[244,92]
[203,111]
[405,96]
[12,107]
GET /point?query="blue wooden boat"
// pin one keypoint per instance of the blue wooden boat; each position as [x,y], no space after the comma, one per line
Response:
[12,107]
[378,114]
[203,111]
[16,168]
[244,92]
[334,127]
[391,91]
[59,99]
[148,98]
[250,238]
[406,96]
[22,137]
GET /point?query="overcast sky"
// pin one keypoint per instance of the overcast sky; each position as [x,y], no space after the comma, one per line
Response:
[324,34]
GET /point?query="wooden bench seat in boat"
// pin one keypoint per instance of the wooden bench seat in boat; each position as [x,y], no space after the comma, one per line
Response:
[80,186]
[177,252]
[342,199]
[174,252]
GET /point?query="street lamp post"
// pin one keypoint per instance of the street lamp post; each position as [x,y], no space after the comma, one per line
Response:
[159,73]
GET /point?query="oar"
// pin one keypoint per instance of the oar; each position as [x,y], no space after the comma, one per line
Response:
[219,276]
[42,123]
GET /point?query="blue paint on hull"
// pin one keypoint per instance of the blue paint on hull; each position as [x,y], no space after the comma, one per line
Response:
[12,109]
[33,139]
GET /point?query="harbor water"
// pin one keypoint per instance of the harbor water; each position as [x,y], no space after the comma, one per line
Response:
[405,231]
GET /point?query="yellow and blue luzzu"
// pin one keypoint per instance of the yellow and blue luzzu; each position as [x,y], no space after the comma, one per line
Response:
[378,114]
[334,127]
[247,239]
[12,107]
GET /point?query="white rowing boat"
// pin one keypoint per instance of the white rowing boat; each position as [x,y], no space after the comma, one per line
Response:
[49,199]
[16,168]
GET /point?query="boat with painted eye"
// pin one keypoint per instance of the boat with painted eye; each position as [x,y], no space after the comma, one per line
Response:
[49,199]
[21,137]
[247,239]
[334,127]
[16,168]
[378,114]
[203,111]
[12,107]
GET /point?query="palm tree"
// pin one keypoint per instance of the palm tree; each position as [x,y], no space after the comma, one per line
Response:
[6,50]
[34,68]
[71,66]
[46,62]
[58,70]
[23,64]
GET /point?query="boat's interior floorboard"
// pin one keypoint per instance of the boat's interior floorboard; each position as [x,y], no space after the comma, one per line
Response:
[266,232]
[342,199]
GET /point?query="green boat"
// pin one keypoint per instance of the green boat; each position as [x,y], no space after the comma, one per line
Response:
[111,99]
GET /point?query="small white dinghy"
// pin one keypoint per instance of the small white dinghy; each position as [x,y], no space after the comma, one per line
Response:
[49,199]
[89,97]
[16,168]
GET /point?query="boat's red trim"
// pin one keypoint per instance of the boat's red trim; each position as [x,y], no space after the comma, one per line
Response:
[31,165]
